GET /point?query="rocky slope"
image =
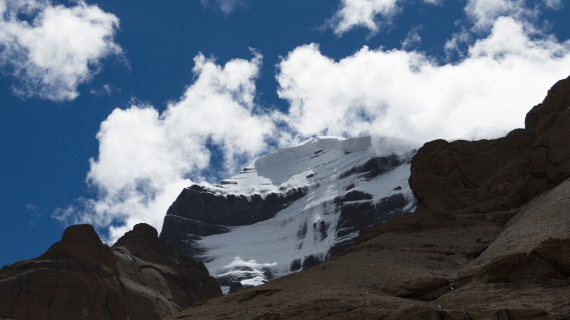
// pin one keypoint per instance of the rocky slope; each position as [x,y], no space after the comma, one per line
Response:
[82,278]
[291,208]
[490,241]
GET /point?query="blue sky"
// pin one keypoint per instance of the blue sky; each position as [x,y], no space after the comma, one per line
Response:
[110,108]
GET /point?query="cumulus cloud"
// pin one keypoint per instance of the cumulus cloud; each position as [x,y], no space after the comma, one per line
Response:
[226,6]
[61,48]
[408,94]
[146,158]
[362,13]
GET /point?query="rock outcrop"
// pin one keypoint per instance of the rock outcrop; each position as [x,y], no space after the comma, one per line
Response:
[490,241]
[501,174]
[82,278]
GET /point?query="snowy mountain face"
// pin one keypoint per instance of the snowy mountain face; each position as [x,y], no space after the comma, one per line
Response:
[292,208]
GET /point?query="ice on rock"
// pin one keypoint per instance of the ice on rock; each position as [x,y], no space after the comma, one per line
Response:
[318,215]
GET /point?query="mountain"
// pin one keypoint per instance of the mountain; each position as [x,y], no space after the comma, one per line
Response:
[292,208]
[82,278]
[490,239]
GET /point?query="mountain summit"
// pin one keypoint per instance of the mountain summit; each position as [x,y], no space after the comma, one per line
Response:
[291,208]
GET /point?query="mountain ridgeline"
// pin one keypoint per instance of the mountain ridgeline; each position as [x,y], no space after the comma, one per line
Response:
[292,208]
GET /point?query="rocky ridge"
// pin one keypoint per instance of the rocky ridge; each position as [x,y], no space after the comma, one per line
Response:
[490,240]
[82,278]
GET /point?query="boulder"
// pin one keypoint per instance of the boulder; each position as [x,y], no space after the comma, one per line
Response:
[82,278]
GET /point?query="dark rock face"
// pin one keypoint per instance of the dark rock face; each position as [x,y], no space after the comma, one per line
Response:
[488,175]
[235,286]
[376,166]
[360,215]
[82,278]
[197,212]
[310,262]
[233,210]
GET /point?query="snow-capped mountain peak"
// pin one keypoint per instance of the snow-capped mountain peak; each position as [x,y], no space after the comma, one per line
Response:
[292,207]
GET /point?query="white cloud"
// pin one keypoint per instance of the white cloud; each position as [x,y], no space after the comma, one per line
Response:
[226,6]
[412,39]
[553,4]
[61,49]
[484,13]
[453,46]
[106,90]
[487,133]
[147,158]
[362,13]
[407,94]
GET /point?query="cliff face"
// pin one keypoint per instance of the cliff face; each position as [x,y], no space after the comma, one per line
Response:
[490,241]
[82,278]
[199,212]
[501,174]
[291,208]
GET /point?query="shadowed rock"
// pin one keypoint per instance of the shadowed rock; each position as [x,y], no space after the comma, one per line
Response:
[197,213]
[490,175]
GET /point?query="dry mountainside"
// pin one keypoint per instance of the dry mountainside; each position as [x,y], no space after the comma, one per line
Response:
[491,240]
[82,278]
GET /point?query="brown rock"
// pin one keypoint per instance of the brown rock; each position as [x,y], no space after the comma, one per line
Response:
[159,283]
[423,313]
[492,175]
[82,278]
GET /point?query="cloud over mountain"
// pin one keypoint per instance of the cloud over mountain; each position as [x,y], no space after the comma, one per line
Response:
[504,66]
[147,157]
[395,92]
